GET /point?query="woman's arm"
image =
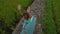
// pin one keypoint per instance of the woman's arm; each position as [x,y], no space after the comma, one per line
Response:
[19,9]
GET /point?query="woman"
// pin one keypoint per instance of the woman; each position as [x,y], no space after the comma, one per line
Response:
[29,22]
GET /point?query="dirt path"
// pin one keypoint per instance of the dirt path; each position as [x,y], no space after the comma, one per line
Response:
[37,9]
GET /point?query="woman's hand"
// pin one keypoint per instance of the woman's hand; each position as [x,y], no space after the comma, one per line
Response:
[19,7]
[28,9]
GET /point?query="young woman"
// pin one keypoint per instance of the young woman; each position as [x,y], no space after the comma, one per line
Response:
[29,22]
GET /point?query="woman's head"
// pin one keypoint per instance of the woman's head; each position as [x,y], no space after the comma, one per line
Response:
[26,15]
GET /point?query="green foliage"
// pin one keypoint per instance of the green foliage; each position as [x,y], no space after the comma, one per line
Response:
[9,15]
[25,3]
[48,22]
[56,4]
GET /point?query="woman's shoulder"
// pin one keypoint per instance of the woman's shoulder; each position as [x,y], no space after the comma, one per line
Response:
[34,16]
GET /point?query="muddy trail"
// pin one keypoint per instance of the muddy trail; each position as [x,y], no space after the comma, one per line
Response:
[37,8]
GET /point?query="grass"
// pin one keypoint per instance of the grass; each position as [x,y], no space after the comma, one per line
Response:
[8,8]
[56,4]
[9,13]
[48,21]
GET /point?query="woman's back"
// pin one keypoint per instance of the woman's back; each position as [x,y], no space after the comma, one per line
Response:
[29,25]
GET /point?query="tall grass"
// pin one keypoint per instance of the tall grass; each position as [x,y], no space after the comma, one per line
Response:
[9,14]
[56,4]
[48,22]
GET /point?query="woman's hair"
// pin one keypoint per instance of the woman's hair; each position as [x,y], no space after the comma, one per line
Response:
[26,14]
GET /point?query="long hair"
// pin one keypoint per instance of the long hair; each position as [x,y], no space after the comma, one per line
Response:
[26,14]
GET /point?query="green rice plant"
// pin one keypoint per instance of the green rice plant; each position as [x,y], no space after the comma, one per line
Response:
[9,14]
[56,5]
[48,21]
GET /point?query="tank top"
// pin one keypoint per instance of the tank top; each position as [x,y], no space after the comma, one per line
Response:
[29,25]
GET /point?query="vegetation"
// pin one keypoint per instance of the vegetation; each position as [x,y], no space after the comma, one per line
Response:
[48,19]
[56,5]
[9,15]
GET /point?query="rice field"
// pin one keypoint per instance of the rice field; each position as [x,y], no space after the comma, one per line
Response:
[56,4]
[49,19]
[9,14]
